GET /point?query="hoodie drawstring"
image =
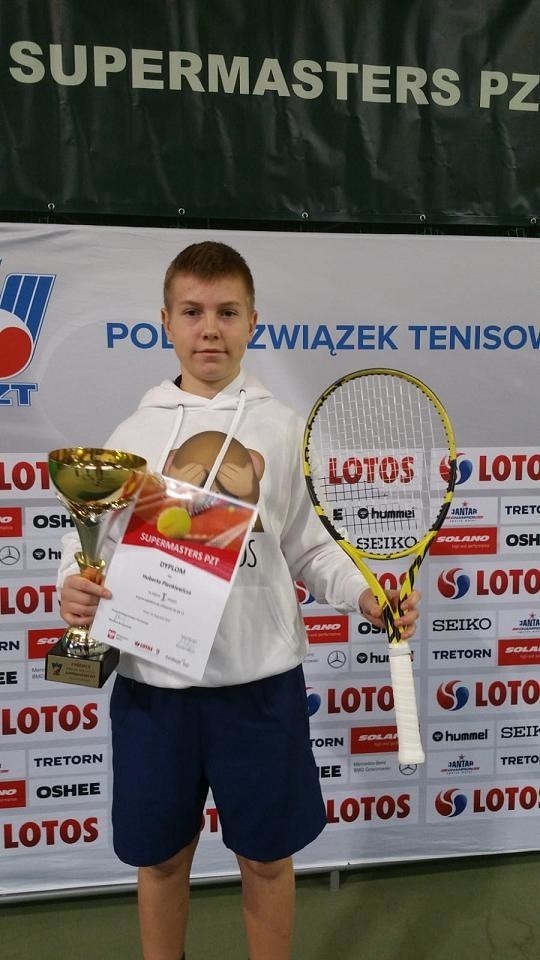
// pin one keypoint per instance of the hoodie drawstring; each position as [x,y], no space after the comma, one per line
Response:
[227,442]
[175,429]
[225,446]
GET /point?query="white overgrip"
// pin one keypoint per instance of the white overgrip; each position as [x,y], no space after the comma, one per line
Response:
[409,743]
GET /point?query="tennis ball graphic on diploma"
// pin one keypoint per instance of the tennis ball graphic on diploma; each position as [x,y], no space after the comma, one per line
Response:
[174,522]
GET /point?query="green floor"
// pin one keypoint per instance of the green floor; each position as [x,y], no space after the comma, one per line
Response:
[472,909]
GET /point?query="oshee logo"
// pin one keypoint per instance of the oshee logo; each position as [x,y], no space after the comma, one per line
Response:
[23,304]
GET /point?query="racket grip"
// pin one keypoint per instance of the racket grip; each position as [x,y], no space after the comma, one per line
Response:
[409,743]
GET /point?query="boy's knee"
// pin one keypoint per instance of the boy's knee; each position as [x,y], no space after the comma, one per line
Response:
[175,865]
[265,869]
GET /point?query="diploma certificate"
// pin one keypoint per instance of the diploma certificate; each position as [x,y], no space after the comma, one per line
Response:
[171,574]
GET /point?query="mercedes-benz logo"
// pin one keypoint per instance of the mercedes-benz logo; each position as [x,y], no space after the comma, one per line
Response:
[9,555]
[337,659]
[408,768]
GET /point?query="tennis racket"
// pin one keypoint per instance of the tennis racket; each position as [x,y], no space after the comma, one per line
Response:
[380,467]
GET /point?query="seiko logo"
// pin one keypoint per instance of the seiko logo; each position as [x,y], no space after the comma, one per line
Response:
[389,544]
[520,732]
[466,624]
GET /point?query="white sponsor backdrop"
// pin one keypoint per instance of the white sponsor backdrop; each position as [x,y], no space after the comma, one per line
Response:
[80,340]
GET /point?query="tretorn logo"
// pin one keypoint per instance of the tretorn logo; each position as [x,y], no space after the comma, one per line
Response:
[451,696]
[464,469]
[23,304]
[453,584]
[450,803]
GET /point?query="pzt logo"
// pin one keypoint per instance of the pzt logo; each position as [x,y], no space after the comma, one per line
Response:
[451,696]
[453,584]
[23,304]
[464,469]
[450,803]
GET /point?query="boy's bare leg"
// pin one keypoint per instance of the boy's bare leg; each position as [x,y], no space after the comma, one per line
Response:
[164,904]
[268,902]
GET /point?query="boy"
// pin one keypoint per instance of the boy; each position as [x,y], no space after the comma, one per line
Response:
[243,731]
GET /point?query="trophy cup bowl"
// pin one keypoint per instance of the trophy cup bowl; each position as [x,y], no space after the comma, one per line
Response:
[95,485]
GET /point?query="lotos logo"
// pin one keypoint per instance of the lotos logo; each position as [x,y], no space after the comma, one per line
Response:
[302,593]
[313,701]
[23,304]
[450,803]
[450,696]
[464,469]
[453,584]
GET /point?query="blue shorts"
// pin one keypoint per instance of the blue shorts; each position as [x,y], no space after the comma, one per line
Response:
[249,744]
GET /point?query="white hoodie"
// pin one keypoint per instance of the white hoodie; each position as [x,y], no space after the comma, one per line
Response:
[261,632]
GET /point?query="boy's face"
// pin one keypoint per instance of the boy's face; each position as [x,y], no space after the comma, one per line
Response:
[209,323]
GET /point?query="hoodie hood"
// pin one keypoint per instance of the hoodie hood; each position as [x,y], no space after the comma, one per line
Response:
[234,397]
[167,396]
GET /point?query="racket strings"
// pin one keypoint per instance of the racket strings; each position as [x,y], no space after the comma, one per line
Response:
[371,449]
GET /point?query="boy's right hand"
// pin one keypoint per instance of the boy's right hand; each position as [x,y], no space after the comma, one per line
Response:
[79,598]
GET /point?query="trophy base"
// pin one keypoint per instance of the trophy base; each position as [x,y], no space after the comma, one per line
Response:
[62,667]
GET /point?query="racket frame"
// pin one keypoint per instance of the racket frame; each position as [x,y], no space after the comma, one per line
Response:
[410,750]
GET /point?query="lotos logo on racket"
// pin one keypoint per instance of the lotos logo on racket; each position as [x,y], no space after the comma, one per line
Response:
[464,469]
[23,304]
[450,803]
[453,584]
[313,701]
[450,696]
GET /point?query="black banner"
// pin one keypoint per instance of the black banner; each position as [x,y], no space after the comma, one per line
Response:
[328,110]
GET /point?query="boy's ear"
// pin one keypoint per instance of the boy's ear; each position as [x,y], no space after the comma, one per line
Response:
[165,320]
[253,323]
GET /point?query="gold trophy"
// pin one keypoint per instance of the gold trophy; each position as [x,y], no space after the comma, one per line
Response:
[95,485]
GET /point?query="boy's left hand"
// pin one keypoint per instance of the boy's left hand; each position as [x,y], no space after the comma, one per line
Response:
[370,609]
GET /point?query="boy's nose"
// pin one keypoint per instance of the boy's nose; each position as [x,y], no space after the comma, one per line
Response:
[210,326]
